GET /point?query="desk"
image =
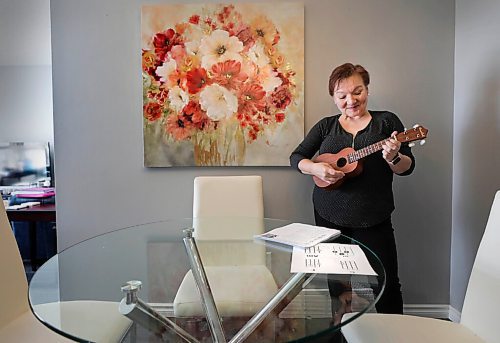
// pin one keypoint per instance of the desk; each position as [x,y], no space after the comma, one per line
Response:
[155,254]
[32,215]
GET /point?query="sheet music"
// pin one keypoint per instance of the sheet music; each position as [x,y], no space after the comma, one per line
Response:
[298,234]
[331,258]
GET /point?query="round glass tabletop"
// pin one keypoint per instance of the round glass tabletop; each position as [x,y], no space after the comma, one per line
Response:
[137,285]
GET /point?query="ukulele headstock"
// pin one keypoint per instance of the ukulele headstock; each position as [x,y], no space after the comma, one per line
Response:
[417,133]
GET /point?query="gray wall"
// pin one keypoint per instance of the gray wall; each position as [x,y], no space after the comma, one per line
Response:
[476,157]
[25,71]
[408,46]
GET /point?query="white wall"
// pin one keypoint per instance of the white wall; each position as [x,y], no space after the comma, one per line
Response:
[407,46]
[25,71]
[476,132]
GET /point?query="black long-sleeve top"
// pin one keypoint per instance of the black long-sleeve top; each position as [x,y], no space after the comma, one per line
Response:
[364,200]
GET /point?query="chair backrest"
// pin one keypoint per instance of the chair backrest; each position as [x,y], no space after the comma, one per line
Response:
[482,299]
[231,197]
[228,208]
[14,286]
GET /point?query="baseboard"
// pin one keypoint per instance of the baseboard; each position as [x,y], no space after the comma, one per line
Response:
[316,304]
[428,310]
[455,315]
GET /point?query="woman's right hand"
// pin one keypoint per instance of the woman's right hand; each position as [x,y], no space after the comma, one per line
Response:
[326,172]
[321,170]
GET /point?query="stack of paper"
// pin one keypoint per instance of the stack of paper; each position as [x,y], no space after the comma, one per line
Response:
[299,235]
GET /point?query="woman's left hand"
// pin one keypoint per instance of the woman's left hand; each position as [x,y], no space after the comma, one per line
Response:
[391,147]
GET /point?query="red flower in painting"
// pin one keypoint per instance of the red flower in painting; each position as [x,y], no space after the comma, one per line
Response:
[152,111]
[192,111]
[194,19]
[251,98]
[178,126]
[163,43]
[280,117]
[196,80]
[228,74]
[281,97]
[245,35]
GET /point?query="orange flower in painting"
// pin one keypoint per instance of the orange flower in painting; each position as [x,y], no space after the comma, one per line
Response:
[148,60]
[177,78]
[251,98]
[228,74]
[181,27]
[197,79]
[178,126]
[265,30]
[152,111]
[159,94]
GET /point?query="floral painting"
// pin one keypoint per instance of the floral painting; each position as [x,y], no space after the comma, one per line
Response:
[223,84]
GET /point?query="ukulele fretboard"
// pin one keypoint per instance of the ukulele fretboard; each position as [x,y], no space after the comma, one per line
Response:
[363,152]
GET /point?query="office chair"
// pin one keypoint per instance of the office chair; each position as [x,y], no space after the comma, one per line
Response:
[478,322]
[228,211]
[19,324]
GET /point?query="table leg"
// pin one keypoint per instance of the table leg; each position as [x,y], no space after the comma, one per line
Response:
[33,245]
[284,296]
[201,280]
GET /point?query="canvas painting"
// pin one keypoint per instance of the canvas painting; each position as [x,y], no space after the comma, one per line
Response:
[223,84]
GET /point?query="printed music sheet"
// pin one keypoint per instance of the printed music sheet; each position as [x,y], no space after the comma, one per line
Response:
[331,258]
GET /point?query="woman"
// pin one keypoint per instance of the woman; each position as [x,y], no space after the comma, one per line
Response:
[361,206]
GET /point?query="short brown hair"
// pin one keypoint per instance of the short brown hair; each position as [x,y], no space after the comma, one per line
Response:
[345,71]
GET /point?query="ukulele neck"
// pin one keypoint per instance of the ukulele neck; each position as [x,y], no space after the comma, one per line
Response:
[368,150]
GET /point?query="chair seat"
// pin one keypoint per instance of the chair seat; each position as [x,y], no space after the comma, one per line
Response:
[85,318]
[387,328]
[26,328]
[239,291]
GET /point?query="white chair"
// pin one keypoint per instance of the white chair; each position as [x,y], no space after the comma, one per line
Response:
[19,324]
[228,211]
[478,322]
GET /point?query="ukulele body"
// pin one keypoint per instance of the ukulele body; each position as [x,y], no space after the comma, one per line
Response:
[339,161]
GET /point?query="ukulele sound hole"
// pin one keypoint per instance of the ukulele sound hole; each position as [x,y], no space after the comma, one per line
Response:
[341,162]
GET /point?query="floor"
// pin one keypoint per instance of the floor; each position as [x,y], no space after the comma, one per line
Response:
[202,333]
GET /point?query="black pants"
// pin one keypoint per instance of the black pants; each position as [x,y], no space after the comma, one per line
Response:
[379,239]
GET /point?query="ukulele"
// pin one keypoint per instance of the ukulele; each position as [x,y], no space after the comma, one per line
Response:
[348,161]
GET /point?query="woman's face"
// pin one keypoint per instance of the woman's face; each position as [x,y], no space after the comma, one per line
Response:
[351,96]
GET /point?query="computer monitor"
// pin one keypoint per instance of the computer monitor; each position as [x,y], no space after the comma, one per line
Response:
[24,164]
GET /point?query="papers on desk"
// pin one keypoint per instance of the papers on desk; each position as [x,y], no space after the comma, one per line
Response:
[299,235]
[37,192]
[331,258]
[23,205]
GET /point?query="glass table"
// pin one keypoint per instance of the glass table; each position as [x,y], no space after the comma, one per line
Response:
[145,271]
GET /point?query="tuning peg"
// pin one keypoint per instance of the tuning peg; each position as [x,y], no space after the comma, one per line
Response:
[416,125]
[422,142]
[411,145]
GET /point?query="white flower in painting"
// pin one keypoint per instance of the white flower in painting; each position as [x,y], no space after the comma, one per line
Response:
[269,78]
[218,102]
[193,47]
[219,47]
[166,69]
[257,55]
[178,98]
